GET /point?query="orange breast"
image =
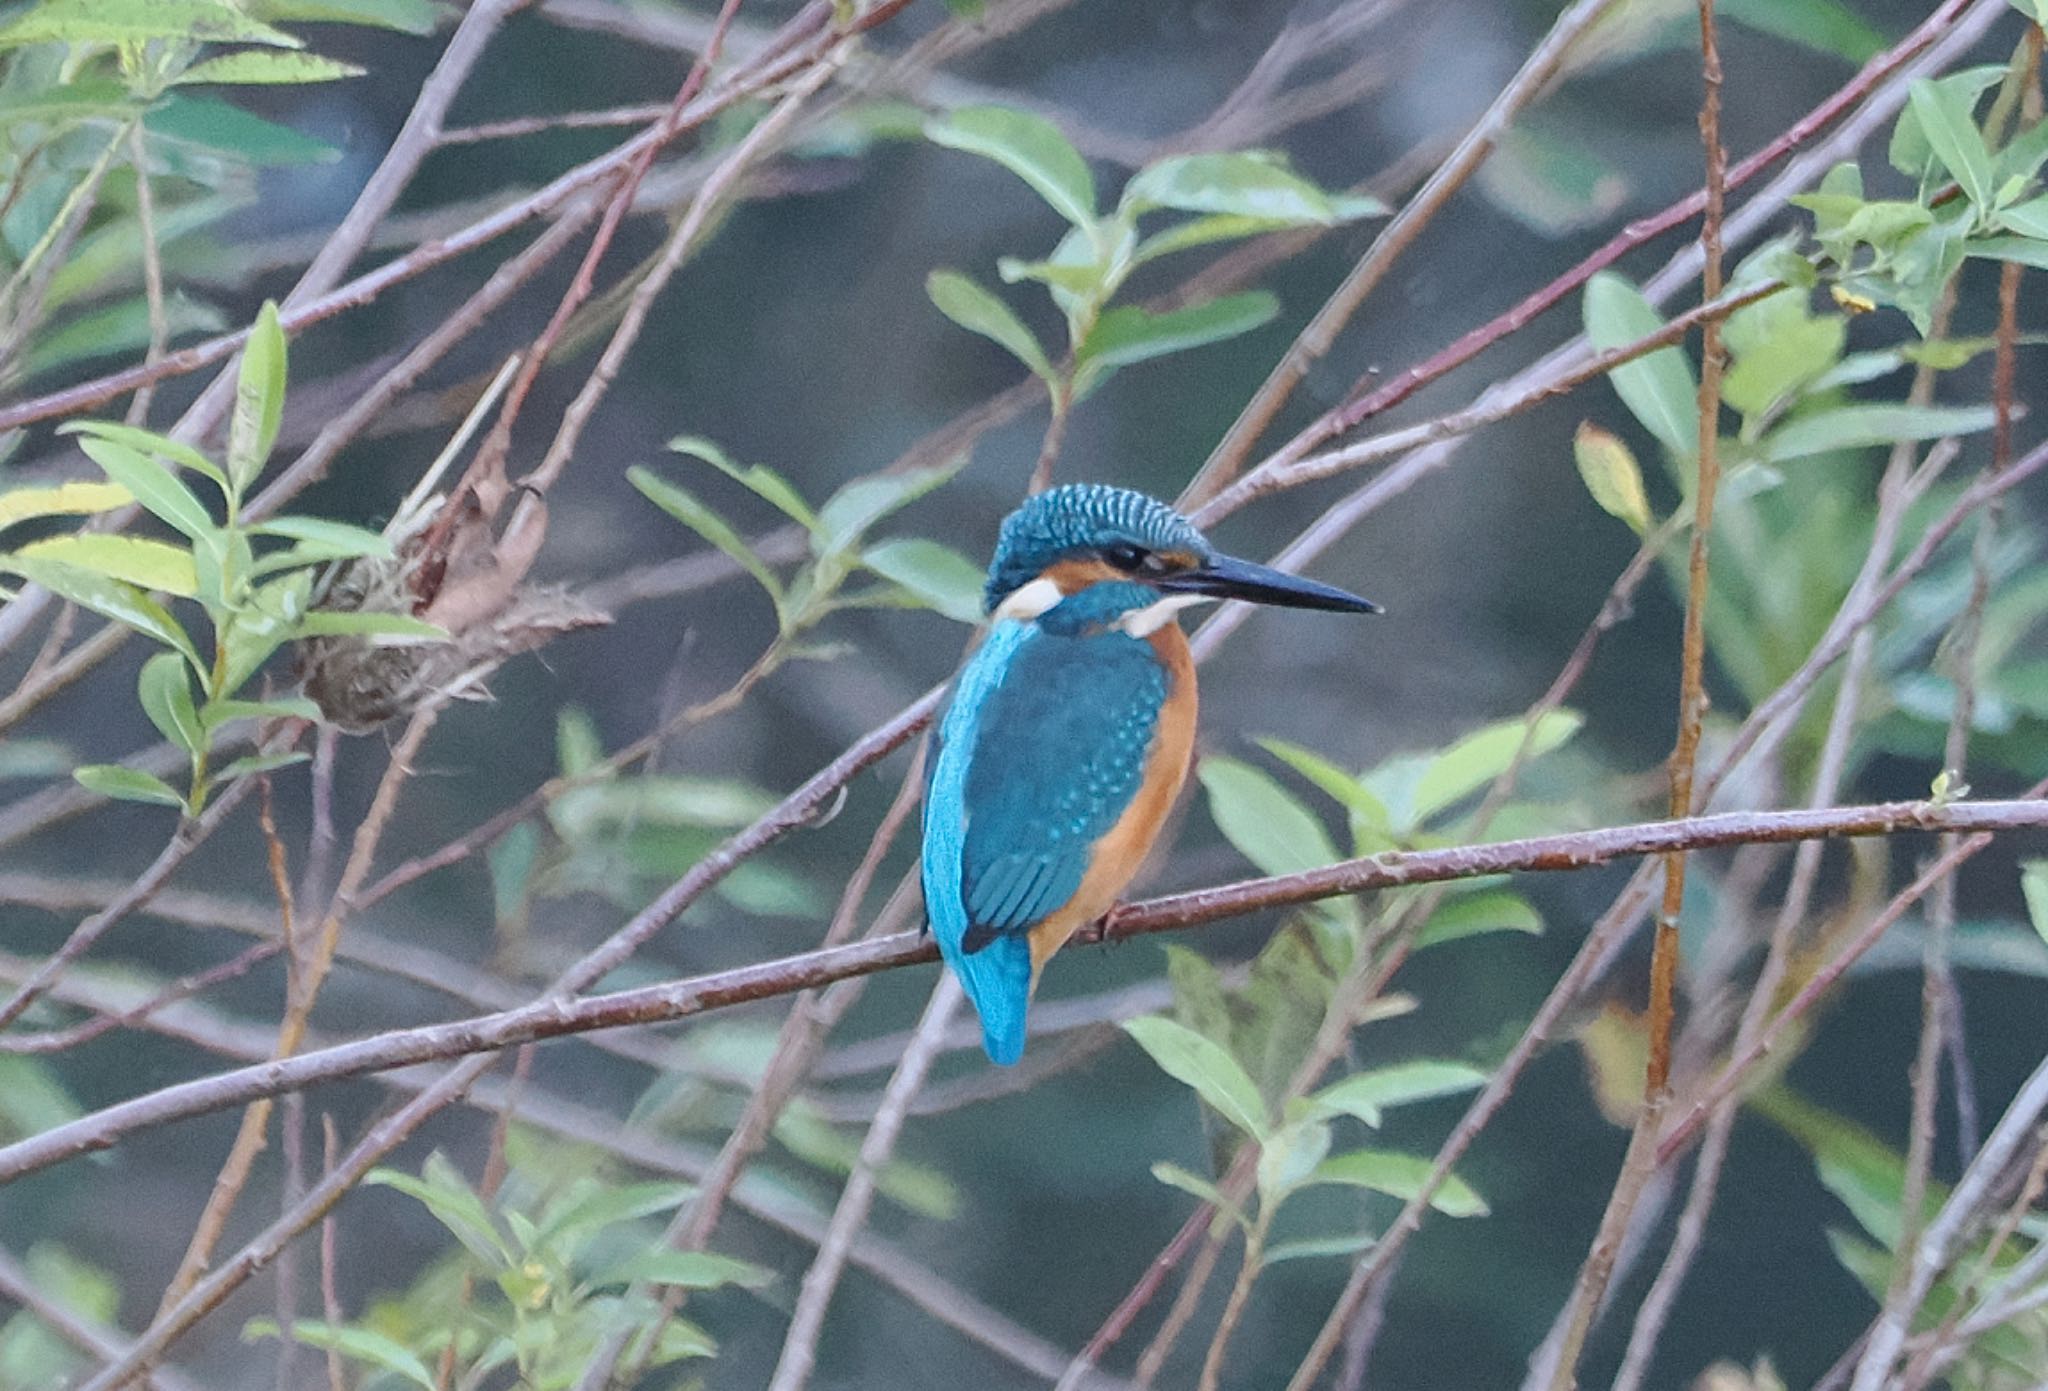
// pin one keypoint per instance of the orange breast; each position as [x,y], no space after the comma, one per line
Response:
[1120,854]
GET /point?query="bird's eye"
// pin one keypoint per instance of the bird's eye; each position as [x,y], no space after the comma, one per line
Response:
[1128,558]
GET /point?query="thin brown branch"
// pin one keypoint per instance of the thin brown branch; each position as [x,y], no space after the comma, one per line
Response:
[1395,238]
[556,1015]
[187,838]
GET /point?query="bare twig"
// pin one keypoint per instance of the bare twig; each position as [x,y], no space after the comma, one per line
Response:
[1395,238]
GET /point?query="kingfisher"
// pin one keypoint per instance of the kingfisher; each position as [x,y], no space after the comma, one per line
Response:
[1067,735]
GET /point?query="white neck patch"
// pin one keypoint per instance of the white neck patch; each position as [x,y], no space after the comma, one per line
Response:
[1027,602]
[1143,623]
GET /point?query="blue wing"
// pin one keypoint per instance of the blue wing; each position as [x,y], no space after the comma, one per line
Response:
[1039,753]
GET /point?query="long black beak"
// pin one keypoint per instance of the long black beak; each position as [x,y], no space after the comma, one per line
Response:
[1227,577]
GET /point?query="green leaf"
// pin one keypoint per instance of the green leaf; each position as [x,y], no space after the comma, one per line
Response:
[336,539]
[1266,823]
[80,499]
[685,508]
[1862,427]
[216,713]
[2029,219]
[1241,184]
[1658,388]
[365,1345]
[1288,1157]
[1202,231]
[1951,132]
[1314,1247]
[406,16]
[165,689]
[258,763]
[1400,1176]
[1204,1065]
[1611,475]
[1129,334]
[127,784]
[148,564]
[1366,1094]
[444,1192]
[259,398]
[1030,147]
[849,512]
[1779,347]
[158,489]
[150,445]
[1469,915]
[601,1205]
[691,1270]
[1479,758]
[266,69]
[1367,811]
[1187,1181]
[1910,151]
[139,21]
[764,482]
[228,130]
[978,311]
[2023,251]
[2034,887]
[941,577]
[1827,26]
[109,598]
[332,623]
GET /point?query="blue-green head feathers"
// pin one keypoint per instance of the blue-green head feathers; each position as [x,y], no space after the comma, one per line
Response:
[1087,519]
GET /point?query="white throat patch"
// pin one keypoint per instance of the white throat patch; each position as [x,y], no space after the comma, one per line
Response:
[1143,623]
[1027,602]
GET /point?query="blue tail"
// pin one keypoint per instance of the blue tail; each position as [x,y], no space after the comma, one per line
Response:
[998,980]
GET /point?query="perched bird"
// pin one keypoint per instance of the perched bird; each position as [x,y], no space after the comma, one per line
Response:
[1067,735]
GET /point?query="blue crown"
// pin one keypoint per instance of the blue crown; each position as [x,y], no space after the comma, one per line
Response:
[1077,519]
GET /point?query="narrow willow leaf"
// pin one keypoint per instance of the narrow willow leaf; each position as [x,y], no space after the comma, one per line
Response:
[139,21]
[1289,1156]
[1469,915]
[685,508]
[109,598]
[336,538]
[848,513]
[1310,1248]
[165,689]
[1610,472]
[1030,147]
[258,763]
[2023,251]
[693,1270]
[405,16]
[1266,823]
[1951,132]
[149,444]
[2029,219]
[1400,1176]
[978,311]
[1187,1181]
[1129,334]
[364,1345]
[221,129]
[264,69]
[1203,1065]
[1366,810]
[216,713]
[127,784]
[1657,388]
[139,561]
[2034,887]
[1239,183]
[1863,427]
[259,398]
[941,577]
[764,482]
[1479,758]
[1826,26]
[1366,1094]
[328,623]
[155,487]
[65,500]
